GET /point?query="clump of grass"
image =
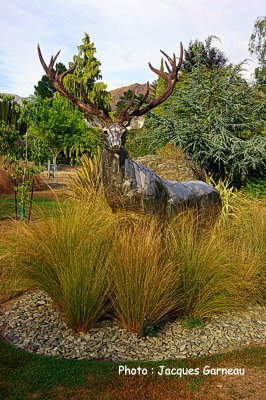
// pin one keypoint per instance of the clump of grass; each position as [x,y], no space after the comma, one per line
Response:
[92,262]
[217,271]
[88,182]
[248,229]
[143,279]
[68,258]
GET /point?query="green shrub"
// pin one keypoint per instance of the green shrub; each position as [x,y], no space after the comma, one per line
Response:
[256,187]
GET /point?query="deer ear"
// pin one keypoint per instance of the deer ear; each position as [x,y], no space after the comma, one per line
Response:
[94,122]
[136,123]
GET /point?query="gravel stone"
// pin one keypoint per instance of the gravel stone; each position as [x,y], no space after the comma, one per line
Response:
[33,324]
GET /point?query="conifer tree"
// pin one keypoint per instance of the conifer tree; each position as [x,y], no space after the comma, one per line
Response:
[44,89]
[87,73]
[160,86]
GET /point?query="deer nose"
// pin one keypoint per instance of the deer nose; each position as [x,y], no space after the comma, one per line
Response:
[115,144]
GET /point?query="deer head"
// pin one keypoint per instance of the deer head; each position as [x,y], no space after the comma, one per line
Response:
[114,131]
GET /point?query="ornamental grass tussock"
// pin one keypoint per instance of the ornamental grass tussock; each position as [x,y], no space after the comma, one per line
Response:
[96,264]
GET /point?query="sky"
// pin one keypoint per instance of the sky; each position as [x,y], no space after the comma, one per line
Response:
[127,35]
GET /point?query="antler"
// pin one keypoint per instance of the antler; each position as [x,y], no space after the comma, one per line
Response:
[56,80]
[169,77]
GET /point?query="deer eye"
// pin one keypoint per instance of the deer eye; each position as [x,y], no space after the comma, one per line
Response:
[105,131]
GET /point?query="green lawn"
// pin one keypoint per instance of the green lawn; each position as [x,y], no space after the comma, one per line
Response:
[26,376]
[7,206]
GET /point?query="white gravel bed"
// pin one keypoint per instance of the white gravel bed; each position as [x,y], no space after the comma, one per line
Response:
[34,325]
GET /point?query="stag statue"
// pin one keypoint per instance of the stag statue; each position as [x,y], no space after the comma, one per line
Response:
[129,184]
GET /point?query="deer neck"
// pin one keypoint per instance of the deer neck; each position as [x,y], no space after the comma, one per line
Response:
[114,167]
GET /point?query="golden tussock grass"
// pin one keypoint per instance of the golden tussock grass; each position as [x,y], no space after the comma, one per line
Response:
[94,263]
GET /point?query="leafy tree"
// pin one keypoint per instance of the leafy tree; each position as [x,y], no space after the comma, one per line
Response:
[203,54]
[44,89]
[60,129]
[257,46]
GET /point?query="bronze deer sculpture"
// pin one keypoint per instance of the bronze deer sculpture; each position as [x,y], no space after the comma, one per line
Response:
[129,184]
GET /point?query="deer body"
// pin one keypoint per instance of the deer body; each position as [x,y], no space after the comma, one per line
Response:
[130,185]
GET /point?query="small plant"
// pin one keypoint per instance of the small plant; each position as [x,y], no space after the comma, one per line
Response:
[149,331]
[67,258]
[89,179]
[193,322]
[228,195]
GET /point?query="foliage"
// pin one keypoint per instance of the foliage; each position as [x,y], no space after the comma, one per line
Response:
[89,177]
[160,85]
[256,187]
[150,331]
[257,46]
[87,72]
[10,112]
[218,119]
[138,143]
[143,281]
[14,149]
[229,197]
[125,98]
[193,322]
[55,256]
[199,53]
[44,89]
[60,129]
[217,268]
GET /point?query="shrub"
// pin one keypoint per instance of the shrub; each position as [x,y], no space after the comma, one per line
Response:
[256,187]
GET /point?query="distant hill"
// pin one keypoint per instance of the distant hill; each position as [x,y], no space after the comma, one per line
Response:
[138,88]
[17,98]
